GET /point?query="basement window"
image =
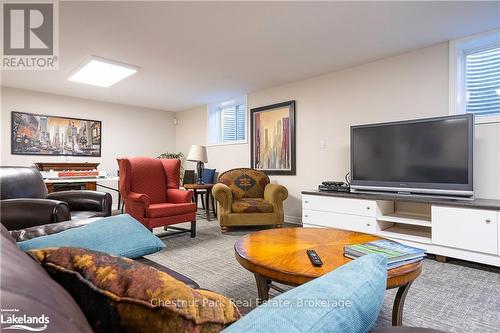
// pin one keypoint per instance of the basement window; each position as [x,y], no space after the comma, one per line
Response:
[227,122]
[475,76]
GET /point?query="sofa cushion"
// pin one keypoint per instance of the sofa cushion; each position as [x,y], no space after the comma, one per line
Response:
[120,235]
[345,300]
[251,205]
[121,295]
[85,214]
[49,229]
[245,183]
[169,209]
[29,289]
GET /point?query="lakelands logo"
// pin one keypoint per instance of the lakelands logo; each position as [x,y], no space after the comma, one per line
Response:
[10,319]
[30,35]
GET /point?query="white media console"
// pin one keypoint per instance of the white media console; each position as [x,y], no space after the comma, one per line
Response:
[463,229]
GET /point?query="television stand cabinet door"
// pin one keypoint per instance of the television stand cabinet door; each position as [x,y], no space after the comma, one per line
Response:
[464,228]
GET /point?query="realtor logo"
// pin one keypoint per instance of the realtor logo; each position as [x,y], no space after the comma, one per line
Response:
[12,319]
[29,35]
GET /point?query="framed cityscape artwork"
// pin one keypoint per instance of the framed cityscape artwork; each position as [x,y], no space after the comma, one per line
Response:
[36,134]
[272,134]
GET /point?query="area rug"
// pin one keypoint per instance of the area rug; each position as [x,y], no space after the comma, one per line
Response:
[453,297]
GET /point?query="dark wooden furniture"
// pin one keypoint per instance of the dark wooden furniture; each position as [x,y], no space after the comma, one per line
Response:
[56,166]
[208,198]
[280,255]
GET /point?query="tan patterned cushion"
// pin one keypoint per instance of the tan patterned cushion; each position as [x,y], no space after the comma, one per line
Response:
[120,295]
[245,183]
[251,205]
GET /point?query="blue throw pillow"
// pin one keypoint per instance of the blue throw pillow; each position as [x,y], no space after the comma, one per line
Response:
[345,300]
[121,235]
[207,176]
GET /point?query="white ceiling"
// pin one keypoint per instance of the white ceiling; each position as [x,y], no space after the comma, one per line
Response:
[195,53]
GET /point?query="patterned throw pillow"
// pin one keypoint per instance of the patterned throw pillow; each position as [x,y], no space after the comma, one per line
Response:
[120,295]
[245,182]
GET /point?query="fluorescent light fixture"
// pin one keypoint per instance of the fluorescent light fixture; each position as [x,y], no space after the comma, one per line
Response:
[101,72]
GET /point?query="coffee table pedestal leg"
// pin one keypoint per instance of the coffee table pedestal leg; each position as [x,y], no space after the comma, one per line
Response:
[399,302]
[262,287]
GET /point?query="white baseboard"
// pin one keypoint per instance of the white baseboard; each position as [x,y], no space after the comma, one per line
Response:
[293,220]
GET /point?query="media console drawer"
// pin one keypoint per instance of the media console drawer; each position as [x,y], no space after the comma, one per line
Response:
[339,220]
[340,205]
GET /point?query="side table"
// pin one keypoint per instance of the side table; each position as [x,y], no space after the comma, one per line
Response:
[208,198]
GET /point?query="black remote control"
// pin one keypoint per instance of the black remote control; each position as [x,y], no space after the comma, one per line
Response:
[315,259]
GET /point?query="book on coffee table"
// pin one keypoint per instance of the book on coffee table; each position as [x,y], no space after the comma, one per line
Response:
[397,254]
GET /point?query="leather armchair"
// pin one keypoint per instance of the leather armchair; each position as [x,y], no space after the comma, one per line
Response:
[25,201]
[24,213]
[245,197]
[150,189]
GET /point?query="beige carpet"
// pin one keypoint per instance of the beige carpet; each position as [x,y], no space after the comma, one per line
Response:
[454,297]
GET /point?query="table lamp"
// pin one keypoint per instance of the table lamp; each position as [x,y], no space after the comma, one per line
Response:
[198,154]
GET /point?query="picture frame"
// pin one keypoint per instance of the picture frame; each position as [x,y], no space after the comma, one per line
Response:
[40,134]
[272,138]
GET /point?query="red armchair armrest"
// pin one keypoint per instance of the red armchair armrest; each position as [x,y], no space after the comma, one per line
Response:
[139,198]
[179,196]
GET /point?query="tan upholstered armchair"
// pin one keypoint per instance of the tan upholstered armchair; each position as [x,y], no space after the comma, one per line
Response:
[245,197]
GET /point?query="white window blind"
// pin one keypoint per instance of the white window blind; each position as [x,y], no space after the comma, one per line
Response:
[233,123]
[482,81]
[227,122]
[475,76]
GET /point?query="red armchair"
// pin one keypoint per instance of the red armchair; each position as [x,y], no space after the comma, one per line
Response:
[150,189]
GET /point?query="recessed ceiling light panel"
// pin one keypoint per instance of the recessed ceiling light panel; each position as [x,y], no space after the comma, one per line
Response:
[101,72]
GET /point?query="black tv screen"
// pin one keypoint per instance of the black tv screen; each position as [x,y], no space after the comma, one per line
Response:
[422,155]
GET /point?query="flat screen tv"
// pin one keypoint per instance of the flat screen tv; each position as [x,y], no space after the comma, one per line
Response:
[430,156]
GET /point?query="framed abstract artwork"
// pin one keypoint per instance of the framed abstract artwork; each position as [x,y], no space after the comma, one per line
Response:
[36,134]
[272,134]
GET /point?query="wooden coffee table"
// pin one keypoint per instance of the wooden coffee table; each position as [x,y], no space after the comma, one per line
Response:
[279,255]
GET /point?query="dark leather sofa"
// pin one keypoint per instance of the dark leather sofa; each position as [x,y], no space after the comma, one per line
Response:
[19,234]
[25,201]
[29,289]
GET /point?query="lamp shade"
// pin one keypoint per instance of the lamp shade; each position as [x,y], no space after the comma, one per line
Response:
[198,153]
